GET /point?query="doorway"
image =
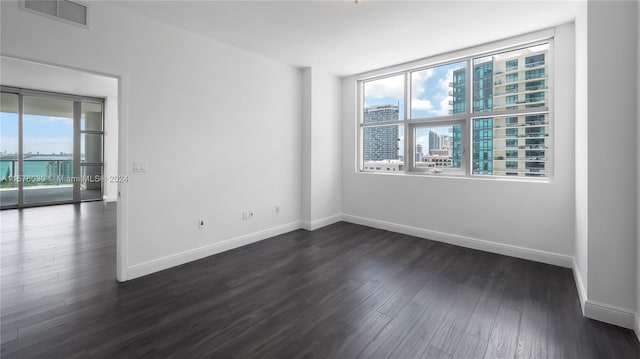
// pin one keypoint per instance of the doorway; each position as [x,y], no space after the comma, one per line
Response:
[52,148]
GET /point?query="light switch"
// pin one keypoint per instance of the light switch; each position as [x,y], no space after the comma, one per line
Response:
[139,166]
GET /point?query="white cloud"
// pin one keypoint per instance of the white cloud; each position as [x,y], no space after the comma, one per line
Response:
[425,105]
[64,120]
[424,141]
[417,82]
[387,87]
[443,95]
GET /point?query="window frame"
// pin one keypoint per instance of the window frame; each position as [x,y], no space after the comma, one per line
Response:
[467,117]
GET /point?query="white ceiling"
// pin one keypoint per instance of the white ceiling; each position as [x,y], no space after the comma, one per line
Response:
[347,38]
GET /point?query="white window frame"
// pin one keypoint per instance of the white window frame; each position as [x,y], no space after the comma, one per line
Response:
[466,118]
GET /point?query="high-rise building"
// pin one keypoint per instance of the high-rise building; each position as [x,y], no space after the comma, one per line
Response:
[434,142]
[456,153]
[483,146]
[483,82]
[458,92]
[380,142]
[510,145]
[419,154]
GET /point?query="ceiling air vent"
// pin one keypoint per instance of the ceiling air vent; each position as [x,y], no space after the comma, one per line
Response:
[62,9]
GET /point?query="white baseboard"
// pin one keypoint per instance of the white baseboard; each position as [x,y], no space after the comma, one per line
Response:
[469,242]
[159,264]
[319,223]
[582,292]
[109,198]
[609,314]
[600,311]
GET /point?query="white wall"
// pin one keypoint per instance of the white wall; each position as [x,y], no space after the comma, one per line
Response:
[218,127]
[36,76]
[637,327]
[322,195]
[307,121]
[611,196]
[581,134]
[527,219]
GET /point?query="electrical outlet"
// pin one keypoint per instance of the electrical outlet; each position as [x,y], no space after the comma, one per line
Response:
[201,224]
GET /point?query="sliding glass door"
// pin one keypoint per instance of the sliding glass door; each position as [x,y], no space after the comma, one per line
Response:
[52,148]
[47,150]
[91,136]
[9,166]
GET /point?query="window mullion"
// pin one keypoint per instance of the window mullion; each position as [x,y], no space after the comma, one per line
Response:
[468,134]
[408,139]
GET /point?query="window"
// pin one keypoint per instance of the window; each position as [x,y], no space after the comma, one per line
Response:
[511,132]
[435,90]
[462,117]
[38,169]
[512,88]
[512,99]
[535,85]
[534,61]
[511,143]
[534,74]
[534,99]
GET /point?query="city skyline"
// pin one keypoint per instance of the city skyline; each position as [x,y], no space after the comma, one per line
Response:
[501,145]
[46,134]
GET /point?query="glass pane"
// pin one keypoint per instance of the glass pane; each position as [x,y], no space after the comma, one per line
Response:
[9,149]
[438,91]
[47,7]
[511,80]
[91,117]
[48,150]
[91,187]
[384,99]
[438,147]
[382,148]
[511,145]
[90,148]
[72,12]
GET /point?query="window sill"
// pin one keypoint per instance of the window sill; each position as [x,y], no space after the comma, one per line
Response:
[460,176]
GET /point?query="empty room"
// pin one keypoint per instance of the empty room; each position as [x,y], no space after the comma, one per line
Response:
[320,179]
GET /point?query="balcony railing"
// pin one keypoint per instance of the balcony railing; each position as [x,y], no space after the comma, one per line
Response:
[526,124]
[534,64]
[527,159]
[535,76]
[36,173]
[510,170]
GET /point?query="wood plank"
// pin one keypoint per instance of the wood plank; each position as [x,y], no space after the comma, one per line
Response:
[503,339]
[449,333]
[484,315]
[470,346]
[532,339]
[435,353]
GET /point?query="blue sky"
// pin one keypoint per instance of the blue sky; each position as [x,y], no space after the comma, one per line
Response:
[42,134]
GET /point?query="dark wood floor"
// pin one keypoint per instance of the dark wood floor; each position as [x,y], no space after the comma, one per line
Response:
[343,291]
